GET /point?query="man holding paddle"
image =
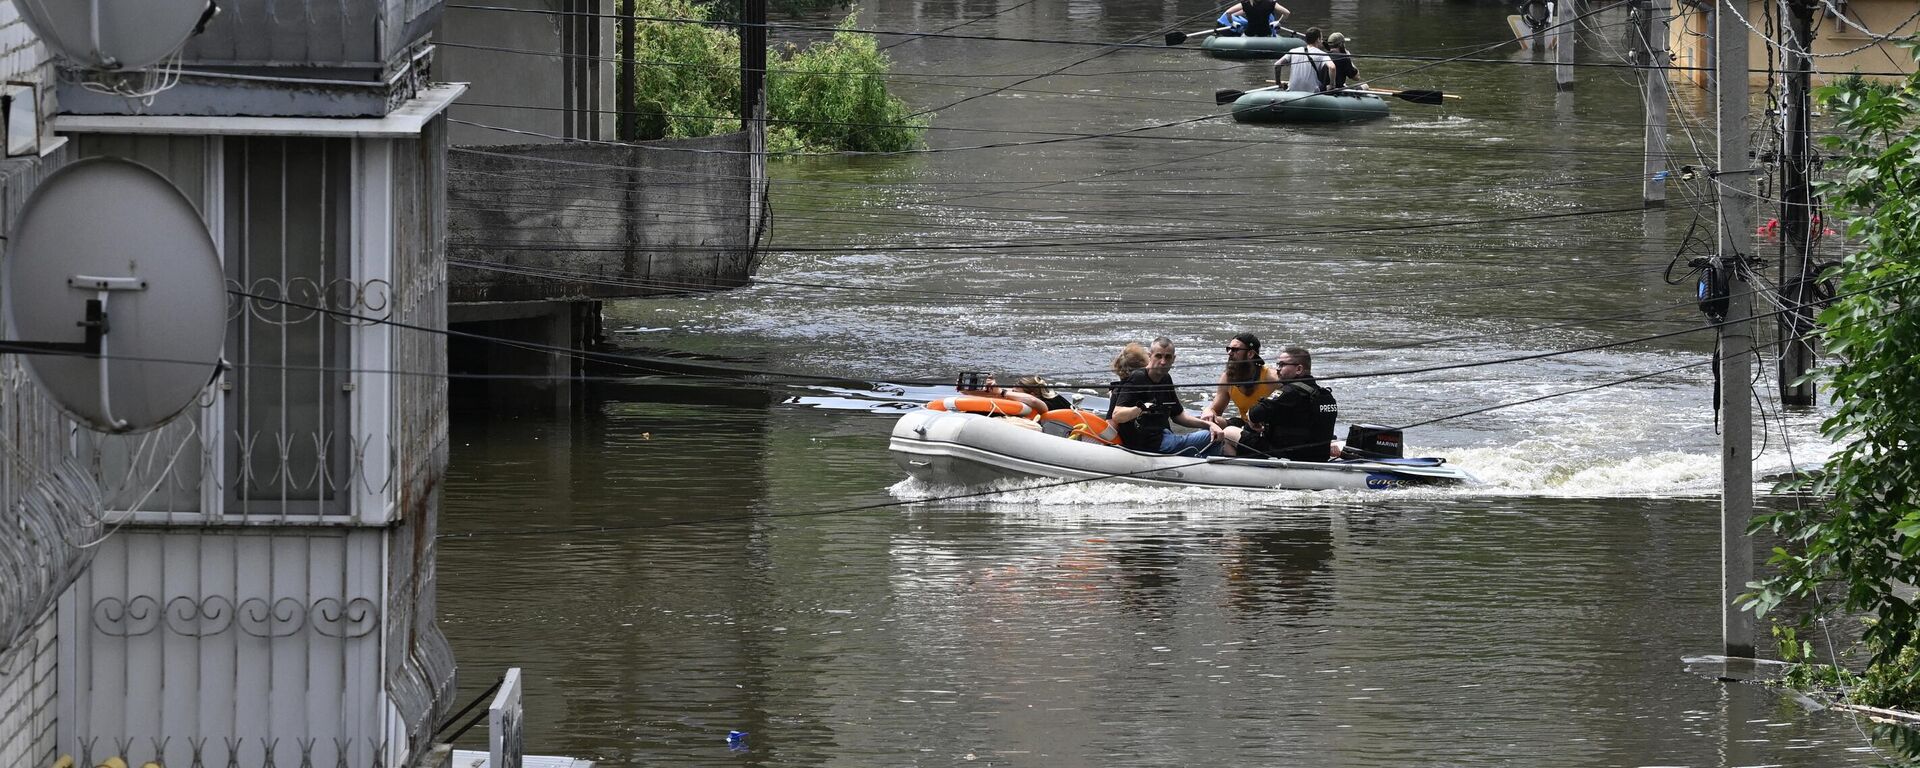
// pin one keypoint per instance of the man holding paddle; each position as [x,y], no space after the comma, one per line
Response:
[1261,15]
[1308,68]
[1343,68]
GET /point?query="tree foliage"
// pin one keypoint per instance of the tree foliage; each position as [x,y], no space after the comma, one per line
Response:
[686,76]
[1862,542]
[829,96]
[833,95]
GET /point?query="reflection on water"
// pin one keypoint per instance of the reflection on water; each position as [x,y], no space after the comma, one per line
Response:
[764,567]
[1130,627]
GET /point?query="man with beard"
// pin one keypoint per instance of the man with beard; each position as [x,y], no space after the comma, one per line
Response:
[1296,421]
[1246,381]
[1146,405]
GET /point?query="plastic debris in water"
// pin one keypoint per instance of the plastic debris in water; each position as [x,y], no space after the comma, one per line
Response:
[737,741]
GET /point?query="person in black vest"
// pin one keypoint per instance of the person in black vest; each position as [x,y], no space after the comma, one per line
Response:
[1344,70]
[1260,16]
[1296,421]
[1146,405]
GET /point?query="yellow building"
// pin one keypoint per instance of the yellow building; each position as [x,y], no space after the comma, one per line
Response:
[1690,38]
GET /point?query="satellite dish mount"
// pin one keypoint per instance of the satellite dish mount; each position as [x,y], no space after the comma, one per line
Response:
[96,324]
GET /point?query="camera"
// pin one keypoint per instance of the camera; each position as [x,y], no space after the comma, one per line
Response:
[971,380]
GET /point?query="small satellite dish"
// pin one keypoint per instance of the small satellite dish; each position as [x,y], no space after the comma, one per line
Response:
[109,253]
[115,34]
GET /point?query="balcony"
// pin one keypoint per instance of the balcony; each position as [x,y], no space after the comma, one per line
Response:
[268,58]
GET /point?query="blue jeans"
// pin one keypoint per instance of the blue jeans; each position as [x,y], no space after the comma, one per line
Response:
[1195,443]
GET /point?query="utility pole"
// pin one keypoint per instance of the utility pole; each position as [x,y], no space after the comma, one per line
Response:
[1653,85]
[626,125]
[1796,211]
[1734,182]
[1563,16]
[753,61]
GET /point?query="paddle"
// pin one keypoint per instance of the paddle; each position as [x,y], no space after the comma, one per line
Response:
[1176,38]
[1415,95]
[1229,95]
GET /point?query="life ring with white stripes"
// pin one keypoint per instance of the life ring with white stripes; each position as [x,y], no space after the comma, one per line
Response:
[985,406]
[1076,424]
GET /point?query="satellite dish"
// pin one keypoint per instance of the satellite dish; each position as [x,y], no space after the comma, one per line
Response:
[115,34]
[110,254]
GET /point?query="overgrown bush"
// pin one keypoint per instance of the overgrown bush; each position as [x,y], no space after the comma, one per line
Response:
[833,95]
[687,80]
[829,96]
[1863,544]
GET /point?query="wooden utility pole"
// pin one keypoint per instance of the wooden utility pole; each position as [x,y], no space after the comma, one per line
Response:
[753,60]
[1734,180]
[1653,85]
[1796,211]
[1563,16]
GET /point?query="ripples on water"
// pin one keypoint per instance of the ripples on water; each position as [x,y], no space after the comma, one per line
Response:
[757,563]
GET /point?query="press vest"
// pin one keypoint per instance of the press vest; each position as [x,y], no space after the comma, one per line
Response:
[1297,420]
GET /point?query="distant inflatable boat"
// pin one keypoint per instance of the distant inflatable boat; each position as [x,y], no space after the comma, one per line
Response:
[1278,106]
[968,449]
[1240,48]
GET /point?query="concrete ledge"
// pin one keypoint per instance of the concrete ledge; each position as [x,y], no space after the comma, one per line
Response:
[404,122]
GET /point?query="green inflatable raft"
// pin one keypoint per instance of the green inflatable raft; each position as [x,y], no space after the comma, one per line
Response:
[1249,47]
[1278,106]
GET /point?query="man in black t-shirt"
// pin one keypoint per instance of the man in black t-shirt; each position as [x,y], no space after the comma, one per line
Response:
[1146,404]
[1296,421]
[1344,71]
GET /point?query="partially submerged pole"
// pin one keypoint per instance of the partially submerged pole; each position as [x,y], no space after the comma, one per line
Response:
[1653,32]
[1796,211]
[1563,17]
[1734,182]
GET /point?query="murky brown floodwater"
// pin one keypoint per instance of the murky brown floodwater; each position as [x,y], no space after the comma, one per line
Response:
[1540,619]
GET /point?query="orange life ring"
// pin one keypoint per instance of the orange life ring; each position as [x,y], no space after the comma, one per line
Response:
[985,406]
[1076,424]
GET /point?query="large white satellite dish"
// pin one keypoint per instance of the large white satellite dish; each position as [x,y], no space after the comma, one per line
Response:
[114,34]
[109,255]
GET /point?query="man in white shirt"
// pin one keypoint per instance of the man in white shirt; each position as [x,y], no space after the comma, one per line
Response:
[1308,68]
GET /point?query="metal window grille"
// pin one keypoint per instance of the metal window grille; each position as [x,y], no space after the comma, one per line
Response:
[287,240]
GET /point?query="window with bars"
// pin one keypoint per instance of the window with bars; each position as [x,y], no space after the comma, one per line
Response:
[288,240]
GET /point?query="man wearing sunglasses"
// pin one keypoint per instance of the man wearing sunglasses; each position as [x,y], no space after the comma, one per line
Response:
[1296,421]
[1146,405]
[1246,381]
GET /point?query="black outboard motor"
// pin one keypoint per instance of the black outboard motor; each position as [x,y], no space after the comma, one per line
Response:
[1372,441]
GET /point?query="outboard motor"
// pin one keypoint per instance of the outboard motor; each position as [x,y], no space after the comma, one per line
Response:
[1372,441]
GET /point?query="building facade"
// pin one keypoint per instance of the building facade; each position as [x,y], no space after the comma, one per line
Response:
[258,585]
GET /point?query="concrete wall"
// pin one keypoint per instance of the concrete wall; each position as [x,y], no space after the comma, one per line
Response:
[544,73]
[1690,37]
[32,578]
[572,221]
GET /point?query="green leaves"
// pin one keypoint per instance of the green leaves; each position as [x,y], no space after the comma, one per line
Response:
[831,96]
[1866,537]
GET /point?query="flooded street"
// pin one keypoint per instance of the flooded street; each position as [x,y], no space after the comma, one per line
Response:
[764,566]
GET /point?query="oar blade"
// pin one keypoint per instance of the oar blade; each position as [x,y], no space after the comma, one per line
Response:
[1176,38]
[1435,98]
[1227,96]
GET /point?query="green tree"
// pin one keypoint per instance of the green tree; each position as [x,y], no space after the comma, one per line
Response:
[686,76]
[829,96]
[1863,542]
[833,95]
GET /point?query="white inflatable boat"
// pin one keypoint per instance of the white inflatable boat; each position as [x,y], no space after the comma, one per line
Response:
[969,449]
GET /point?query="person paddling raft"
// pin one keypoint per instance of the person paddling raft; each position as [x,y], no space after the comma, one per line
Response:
[1307,68]
[1255,18]
[1344,70]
